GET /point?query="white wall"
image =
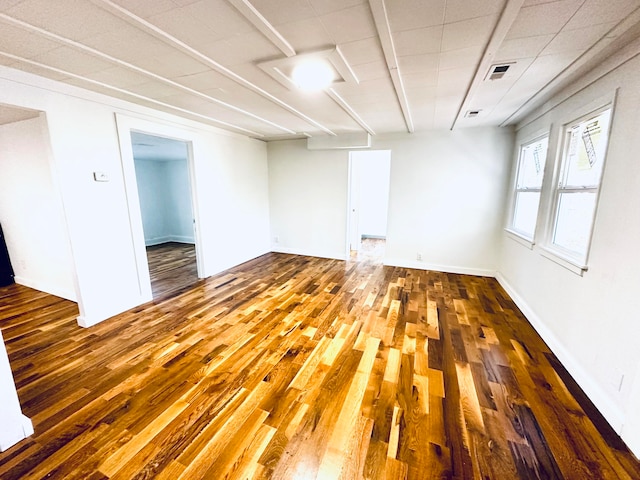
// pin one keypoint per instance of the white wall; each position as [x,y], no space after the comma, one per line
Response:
[590,321]
[308,199]
[232,181]
[15,426]
[373,169]
[165,200]
[179,212]
[445,199]
[31,210]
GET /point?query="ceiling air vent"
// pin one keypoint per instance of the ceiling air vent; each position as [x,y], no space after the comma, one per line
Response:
[472,113]
[496,72]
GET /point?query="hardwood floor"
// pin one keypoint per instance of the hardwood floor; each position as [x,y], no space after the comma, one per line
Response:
[292,368]
[172,267]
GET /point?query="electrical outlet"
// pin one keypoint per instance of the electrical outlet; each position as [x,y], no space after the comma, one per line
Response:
[276,239]
[419,256]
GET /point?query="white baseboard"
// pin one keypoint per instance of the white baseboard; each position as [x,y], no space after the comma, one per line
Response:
[308,253]
[415,264]
[603,402]
[18,429]
[170,238]
[89,321]
[47,288]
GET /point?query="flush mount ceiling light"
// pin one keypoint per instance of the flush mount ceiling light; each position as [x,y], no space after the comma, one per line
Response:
[322,69]
[312,74]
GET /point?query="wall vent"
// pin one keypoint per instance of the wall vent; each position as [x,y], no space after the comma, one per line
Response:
[496,72]
[472,113]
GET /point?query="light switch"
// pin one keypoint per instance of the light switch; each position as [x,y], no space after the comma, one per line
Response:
[100,176]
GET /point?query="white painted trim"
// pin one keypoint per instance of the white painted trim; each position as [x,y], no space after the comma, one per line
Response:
[603,402]
[21,429]
[504,23]
[565,262]
[519,238]
[308,253]
[47,288]
[174,42]
[86,322]
[169,238]
[97,53]
[262,24]
[381,20]
[550,96]
[404,263]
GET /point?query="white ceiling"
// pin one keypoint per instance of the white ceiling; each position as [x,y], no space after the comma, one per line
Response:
[416,64]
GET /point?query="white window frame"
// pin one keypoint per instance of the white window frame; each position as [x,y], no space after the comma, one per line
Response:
[518,235]
[563,256]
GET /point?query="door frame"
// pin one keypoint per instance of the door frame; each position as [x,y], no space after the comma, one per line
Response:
[125,125]
[354,232]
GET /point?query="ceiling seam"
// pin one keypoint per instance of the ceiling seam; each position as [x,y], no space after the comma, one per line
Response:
[127,92]
[253,16]
[335,96]
[605,40]
[503,25]
[80,46]
[381,20]
[178,44]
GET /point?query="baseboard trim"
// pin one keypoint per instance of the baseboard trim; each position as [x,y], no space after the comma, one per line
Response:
[20,428]
[400,262]
[603,402]
[86,321]
[308,253]
[171,238]
[47,288]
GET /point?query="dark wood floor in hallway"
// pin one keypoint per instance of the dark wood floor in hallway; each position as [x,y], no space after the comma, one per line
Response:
[172,266]
[299,368]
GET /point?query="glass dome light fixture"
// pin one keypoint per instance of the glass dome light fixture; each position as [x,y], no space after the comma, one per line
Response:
[312,75]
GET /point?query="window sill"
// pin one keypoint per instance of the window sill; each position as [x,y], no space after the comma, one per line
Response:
[568,263]
[521,239]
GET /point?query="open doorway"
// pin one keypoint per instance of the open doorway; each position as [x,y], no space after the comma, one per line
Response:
[369,175]
[162,169]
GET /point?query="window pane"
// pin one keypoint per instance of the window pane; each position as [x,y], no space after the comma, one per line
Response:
[532,159]
[526,212]
[573,223]
[587,144]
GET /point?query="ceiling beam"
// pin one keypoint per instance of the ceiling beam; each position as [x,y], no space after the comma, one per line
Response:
[250,12]
[381,19]
[97,83]
[507,17]
[347,108]
[178,44]
[104,56]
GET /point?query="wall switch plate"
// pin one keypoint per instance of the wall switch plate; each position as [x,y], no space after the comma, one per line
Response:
[100,176]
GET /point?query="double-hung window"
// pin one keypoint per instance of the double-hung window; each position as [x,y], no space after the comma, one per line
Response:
[530,173]
[576,193]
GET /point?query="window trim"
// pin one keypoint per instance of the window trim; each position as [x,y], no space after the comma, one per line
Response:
[515,234]
[560,255]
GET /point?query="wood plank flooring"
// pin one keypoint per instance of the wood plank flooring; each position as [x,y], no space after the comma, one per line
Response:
[172,267]
[291,367]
